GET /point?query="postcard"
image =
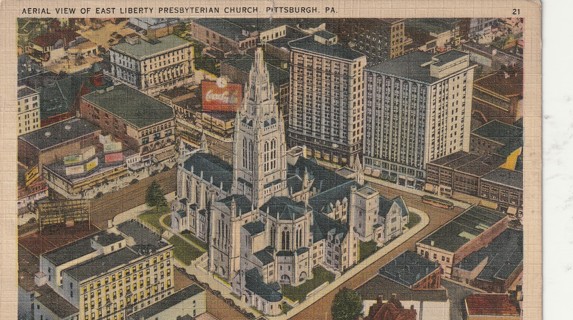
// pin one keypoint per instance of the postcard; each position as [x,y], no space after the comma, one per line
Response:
[271,160]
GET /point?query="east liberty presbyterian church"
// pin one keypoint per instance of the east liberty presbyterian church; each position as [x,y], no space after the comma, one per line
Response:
[275,214]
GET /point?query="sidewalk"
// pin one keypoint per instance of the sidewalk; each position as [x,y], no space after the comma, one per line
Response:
[424,220]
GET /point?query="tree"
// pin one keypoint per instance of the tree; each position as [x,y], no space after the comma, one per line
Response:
[347,305]
[155,197]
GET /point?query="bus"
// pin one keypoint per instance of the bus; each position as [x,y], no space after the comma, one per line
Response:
[437,202]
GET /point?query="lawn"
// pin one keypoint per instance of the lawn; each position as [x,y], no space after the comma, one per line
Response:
[367,249]
[299,293]
[187,234]
[152,216]
[413,219]
[184,251]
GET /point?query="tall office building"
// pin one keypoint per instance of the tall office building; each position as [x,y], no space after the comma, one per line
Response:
[418,109]
[326,102]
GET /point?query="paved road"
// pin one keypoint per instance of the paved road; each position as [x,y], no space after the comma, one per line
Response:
[438,217]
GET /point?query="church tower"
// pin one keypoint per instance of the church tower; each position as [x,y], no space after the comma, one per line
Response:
[259,150]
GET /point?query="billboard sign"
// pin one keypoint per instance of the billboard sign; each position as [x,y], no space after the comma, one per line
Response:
[73,170]
[113,157]
[92,164]
[221,96]
[72,159]
[111,147]
[32,175]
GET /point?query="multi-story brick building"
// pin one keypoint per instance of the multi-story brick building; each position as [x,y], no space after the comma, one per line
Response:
[418,109]
[326,98]
[378,39]
[105,276]
[141,122]
[153,65]
[28,110]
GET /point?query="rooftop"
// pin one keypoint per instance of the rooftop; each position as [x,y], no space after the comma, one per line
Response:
[334,50]
[470,163]
[211,167]
[102,264]
[223,27]
[131,105]
[465,227]
[25,91]
[505,177]
[380,285]
[254,283]
[491,305]
[243,203]
[408,268]
[50,38]
[385,205]
[507,83]
[54,302]
[285,208]
[414,65]
[504,255]
[71,251]
[244,63]
[255,227]
[59,133]
[168,302]
[324,179]
[265,256]
[511,137]
[143,237]
[145,49]
[330,196]
[323,225]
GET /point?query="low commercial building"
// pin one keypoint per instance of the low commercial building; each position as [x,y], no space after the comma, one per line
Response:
[496,137]
[52,143]
[188,302]
[460,173]
[470,231]
[153,65]
[222,35]
[141,122]
[492,307]
[108,275]
[504,187]
[499,96]
[496,266]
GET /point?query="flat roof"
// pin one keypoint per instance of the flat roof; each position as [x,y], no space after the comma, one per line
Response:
[131,105]
[491,304]
[465,227]
[507,82]
[55,303]
[277,76]
[142,236]
[102,264]
[504,255]
[168,302]
[505,177]
[223,27]
[28,265]
[334,50]
[380,285]
[70,252]
[408,268]
[470,163]
[145,49]
[510,136]
[415,65]
[59,133]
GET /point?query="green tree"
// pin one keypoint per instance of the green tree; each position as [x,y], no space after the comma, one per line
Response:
[347,305]
[155,197]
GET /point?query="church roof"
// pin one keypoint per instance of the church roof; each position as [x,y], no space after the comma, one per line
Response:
[294,183]
[265,256]
[324,179]
[323,225]
[285,208]
[242,203]
[254,283]
[212,168]
[255,227]
[386,204]
[339,192]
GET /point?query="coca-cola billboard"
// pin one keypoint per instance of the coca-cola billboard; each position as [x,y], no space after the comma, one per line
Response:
[221,96]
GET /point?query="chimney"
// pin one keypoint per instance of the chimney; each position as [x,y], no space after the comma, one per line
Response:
[380,299]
